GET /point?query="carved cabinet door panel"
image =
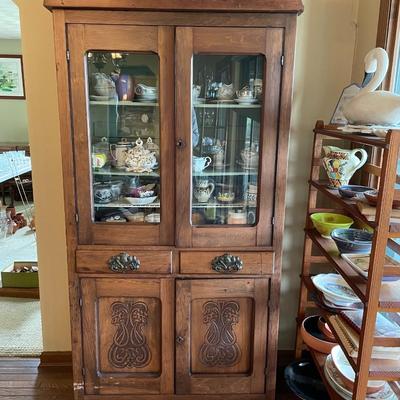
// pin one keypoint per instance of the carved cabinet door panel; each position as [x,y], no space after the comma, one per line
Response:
[128,336]
[221,335]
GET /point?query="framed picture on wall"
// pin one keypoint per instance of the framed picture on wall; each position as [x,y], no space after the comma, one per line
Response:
[11,77]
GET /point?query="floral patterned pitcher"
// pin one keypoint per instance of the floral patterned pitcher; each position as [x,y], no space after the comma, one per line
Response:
[341,164]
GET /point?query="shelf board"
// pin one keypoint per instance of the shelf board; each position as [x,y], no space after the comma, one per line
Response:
[351,207]
[119,172]
[328,248]
[332,131]
[222,205]
[225,105]
[122,103]
[222,172]
[121,204]
[389,372]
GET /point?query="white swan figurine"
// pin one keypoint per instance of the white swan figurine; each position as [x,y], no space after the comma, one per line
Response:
[371,106]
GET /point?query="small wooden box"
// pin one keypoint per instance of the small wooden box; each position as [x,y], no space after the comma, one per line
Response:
[19,280]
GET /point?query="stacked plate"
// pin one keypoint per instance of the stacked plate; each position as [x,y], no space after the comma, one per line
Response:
[335,290]
[335,379]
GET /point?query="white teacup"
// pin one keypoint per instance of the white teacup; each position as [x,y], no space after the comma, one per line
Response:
[200,163]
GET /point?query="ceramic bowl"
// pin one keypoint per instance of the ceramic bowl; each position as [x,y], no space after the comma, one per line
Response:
[325,330]
[346,372]
[325,223]
[352,240]
[313,337]
[372,198]
[226,197]
[140,201]
[350,191]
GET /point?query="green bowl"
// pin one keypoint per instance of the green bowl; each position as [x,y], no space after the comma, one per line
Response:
[325,223]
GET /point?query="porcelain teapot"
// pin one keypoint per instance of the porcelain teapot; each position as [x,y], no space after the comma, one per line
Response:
[341,164]
[140,159]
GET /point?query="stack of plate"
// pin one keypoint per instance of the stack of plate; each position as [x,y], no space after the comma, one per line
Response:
[336,381]
[335,290]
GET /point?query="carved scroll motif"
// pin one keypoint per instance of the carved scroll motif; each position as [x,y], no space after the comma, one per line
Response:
[129,348]
[220,348]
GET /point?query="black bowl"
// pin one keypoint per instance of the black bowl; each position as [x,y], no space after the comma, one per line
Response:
[352,240]
[304,381]
[350,191]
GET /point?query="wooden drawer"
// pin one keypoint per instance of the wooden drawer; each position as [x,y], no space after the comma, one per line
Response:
[98,261]
[200,262]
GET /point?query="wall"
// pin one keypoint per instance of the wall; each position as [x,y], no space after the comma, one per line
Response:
[325,49]
[13,115]
[44,139]
[326,38]
[367,23]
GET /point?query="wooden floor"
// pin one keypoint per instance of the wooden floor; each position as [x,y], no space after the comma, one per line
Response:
[21,379]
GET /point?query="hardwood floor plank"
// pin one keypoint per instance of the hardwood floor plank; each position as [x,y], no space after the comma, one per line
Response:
[20,379]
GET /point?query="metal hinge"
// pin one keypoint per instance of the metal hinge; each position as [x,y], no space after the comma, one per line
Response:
[83,371]
[273,220]
[80,302]
[76,218]
[282,60]
[68,55]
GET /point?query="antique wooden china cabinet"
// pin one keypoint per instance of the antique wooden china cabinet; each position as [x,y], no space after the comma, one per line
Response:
[175,121]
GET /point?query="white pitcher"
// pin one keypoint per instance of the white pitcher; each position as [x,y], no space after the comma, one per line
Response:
[341,164]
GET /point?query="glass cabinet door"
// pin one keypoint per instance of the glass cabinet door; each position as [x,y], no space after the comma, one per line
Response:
[124,171]
[226,121]
[124,137]
[231,77]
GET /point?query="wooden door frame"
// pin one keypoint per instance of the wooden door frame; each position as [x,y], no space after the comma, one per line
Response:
[160,40]
[196,40]
[141,383]
[388,37]
[255,288]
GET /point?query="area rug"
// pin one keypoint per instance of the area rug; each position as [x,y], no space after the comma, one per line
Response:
[20,327]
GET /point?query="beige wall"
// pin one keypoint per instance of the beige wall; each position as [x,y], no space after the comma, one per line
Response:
[325,49]
[367,27]
[13,116]
[44,138]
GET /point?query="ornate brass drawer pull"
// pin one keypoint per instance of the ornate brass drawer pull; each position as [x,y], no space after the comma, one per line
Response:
[123,262]
[227,263]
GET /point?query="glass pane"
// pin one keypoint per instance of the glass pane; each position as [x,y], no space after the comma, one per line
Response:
[226,122]
[124,136]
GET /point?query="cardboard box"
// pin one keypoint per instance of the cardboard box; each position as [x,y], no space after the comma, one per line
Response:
[22,279]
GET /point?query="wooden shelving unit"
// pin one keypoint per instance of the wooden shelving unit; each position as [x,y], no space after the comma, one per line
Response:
[373,295]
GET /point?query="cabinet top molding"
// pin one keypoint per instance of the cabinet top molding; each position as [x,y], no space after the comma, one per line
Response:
[282,6]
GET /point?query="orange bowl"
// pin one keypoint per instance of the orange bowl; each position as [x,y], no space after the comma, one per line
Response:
[312,336]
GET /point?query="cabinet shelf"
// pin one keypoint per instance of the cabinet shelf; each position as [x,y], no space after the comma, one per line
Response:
[119,172]
[332,131]
[223,172]
[121,204]
[222,205]
[226,105]
[389,371]
[350,206]
[122,103]
[359,285]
